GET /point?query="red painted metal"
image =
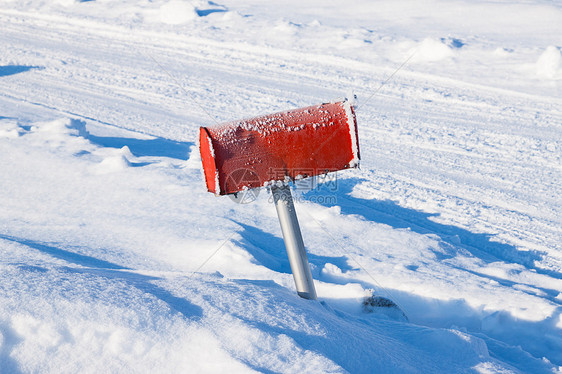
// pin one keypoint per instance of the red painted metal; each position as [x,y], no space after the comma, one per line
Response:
[279,147]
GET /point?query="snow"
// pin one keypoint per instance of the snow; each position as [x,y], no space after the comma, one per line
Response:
[352,123]
[431,50]
[549,64]
[177,12]
[115,258]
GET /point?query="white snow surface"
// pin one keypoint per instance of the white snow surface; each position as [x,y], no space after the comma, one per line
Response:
[115,259]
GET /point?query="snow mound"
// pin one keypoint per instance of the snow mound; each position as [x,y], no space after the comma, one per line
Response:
[177,12]
[431,50]
[549,63]
[114,163]
[9,129]
[61,128]
[57,133]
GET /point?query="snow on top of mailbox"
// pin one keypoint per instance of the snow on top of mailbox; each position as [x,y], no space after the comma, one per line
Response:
[351,121]
[294,120]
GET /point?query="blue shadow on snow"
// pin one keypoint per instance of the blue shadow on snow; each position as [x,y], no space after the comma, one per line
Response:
[392,214]
[106,269]
[206,12]
[10,340]
[158,147]
[269,250]
[16,69]
[369,348]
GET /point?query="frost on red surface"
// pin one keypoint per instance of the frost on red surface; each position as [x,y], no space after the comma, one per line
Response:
[287,145]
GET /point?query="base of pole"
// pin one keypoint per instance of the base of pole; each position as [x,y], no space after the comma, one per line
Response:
[307,295]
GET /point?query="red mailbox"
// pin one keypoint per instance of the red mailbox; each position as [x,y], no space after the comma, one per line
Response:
[283,146]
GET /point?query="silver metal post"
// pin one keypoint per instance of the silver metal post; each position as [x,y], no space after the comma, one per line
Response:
[293,241]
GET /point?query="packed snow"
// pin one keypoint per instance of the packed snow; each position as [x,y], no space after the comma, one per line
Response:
[442,254]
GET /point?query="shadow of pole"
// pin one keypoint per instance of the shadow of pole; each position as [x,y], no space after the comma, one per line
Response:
[269,250]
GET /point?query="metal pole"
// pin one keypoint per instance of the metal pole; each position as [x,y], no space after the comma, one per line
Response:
[293,241]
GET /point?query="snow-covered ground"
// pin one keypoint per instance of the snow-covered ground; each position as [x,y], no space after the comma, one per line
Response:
[114,258]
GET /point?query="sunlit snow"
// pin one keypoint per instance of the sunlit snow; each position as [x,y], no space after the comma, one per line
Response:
[441,254]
